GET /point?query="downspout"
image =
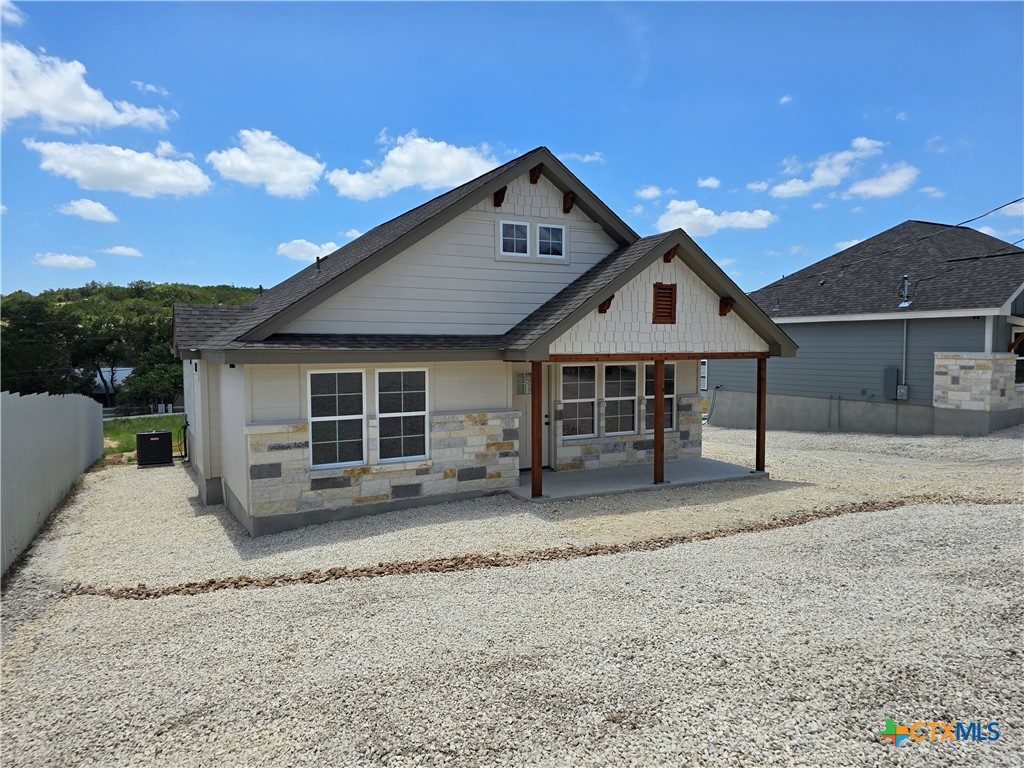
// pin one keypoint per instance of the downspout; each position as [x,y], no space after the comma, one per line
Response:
[903,375]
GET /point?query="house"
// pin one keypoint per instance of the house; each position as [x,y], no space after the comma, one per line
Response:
[512,323]
[908,332]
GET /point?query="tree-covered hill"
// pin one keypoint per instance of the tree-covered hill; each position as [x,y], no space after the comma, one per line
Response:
[62,339]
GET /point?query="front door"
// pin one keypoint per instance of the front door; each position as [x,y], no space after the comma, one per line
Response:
[522,401]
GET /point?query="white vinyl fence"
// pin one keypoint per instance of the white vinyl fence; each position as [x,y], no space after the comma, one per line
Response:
[46,442]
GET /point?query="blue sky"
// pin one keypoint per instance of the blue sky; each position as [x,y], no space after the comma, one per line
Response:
[229,142]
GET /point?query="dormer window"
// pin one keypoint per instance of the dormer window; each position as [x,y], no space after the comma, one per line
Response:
[515,238]
[550,241]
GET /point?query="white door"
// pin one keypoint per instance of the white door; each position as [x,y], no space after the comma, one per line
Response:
[522,401]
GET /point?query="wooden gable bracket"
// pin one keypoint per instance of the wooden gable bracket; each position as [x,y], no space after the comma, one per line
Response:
[604,305]
[535,173]
[499,196]
[568,201]
[725,306]
[1016,342]
[669,255]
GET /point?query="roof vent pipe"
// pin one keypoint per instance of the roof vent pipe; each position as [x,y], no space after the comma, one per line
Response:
[261,289]
[905,292]
[318,266]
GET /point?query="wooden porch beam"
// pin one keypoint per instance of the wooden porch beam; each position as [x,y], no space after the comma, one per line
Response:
[659,421]
[499,196]
[568,201]
[762,412]
[535,173]
[637,356]
[536,429]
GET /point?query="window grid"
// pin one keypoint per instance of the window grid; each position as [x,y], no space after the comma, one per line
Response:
[515,238]
[402,415]
[670,391]
[620,399]
[579,400]
[551,241]
[337,418]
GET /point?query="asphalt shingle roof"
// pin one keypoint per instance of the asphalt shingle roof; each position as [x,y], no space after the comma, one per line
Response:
[195,324]
[948,268]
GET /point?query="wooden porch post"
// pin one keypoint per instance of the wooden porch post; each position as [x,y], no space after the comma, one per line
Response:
[659,421]
[536,429]
[762,402]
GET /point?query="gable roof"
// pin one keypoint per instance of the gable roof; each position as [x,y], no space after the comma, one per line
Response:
[195,324]
[949,268]
[303,290]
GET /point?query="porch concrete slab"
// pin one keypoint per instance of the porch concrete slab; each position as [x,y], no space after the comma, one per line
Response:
[582,483]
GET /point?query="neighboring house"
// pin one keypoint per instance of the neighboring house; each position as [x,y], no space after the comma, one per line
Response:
[512,323]
[928,355]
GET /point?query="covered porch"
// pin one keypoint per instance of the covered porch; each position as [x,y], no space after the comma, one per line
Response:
[630,478]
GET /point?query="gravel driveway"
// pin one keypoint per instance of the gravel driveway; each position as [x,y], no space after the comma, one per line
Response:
[779,648]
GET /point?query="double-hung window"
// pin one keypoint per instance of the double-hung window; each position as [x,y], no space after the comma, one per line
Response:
[337,416]
[619,399]
[579,401]
[515,238]
[402,414]
[670,391]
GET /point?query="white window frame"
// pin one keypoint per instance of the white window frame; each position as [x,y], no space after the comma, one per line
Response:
[311,418]
[597,388]
[424,413]
[670,399]
[501,239]
[633,397]
[546,257]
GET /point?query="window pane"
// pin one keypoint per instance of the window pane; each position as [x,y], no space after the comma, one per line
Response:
[413,425]
[620,381]
[350,429]
[414,446]
[390,403]
[390,381]
[649,416]
[323,405]
[670,379]
[391,427]
[619,416]
[350,450]
[415,401]
[414,381]
[322,383]
[391,448]
[325,431]
[350,405]
[350,383]
[325,453]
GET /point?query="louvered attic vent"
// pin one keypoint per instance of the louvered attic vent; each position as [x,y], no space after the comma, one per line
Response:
[664,303]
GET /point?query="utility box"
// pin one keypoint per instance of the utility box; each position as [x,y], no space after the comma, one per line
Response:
[901,392]
[153,449]
[890,382]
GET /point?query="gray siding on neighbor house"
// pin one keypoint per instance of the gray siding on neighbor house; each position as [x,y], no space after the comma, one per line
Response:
[849,358]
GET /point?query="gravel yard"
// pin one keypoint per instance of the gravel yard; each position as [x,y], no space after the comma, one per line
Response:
[786,647]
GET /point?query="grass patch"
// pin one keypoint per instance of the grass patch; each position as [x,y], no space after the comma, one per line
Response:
[119,434]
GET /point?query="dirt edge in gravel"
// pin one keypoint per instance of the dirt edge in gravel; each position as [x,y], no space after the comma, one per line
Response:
[475,561]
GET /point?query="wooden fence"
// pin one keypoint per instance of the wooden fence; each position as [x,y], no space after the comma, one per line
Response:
[46,443]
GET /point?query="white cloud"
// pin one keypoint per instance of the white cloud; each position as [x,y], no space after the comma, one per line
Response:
[122,250]
[785,99]
[150,88]
[3,208]
[697,221]
[934,144]
[1015,209]
[265,159]
[56,91]
[772,252]
[64,261]
[709,182]
[829,170]
[933,191]
[791,165]
[589,157]
[988,231]
[894,180]
[352,234]
[637,209]
[796,250]
[901,116]
[842,245]
[414,161]
[115,169]
[857,209]
[303,250]
[757,186]
[89,210]
[652,192]
[818,206]
[726,262]
[11,14]
[166,149]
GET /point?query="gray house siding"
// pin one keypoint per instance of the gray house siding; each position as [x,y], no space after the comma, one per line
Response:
[848,359]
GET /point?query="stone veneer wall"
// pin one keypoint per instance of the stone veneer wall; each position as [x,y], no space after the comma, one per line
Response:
[615,450]
[975,381]
[469,452]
